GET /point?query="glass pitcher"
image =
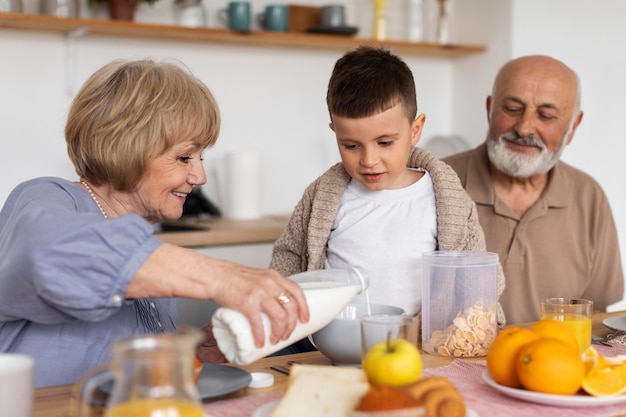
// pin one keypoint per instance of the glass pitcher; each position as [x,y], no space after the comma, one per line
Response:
[152,374]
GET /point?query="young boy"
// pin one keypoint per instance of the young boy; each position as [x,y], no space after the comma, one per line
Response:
[387,202]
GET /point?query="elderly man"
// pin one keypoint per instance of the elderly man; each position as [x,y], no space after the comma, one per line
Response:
[550,223]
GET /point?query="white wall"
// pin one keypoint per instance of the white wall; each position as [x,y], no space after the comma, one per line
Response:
[566,30]
[273,99]
[593,47]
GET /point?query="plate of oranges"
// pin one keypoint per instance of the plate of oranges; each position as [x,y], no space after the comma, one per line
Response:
[543,364]
[577,400]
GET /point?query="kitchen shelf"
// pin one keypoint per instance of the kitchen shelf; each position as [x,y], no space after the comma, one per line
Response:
[102,27]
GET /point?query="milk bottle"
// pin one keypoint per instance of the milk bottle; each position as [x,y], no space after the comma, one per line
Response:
[327,291]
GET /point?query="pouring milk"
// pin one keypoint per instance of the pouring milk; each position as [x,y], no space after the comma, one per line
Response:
[327,292]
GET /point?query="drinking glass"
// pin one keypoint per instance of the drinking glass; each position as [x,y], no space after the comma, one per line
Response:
[575,313]
[383,327]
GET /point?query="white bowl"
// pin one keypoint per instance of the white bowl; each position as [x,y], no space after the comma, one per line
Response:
[340,340]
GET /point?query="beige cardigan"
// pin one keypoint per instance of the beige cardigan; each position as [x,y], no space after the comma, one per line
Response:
[302,247]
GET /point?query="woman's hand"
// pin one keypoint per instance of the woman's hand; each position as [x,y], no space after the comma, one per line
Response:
[253,291]
[172,271]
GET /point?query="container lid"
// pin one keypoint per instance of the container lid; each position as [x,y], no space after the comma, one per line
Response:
[455,258]
[261,380]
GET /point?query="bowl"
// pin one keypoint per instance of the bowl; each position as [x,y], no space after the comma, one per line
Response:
[340,340]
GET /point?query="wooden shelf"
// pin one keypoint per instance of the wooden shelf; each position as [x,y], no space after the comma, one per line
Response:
[103,27]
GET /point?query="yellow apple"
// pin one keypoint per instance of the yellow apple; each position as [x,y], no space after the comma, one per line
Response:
[394,362]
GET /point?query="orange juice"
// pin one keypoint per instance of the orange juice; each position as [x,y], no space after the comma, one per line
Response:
[579,324]
[155,407]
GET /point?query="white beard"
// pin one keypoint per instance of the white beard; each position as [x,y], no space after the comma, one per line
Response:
[519,165]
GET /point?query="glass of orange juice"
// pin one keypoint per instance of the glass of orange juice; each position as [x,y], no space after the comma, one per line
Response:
[575,313]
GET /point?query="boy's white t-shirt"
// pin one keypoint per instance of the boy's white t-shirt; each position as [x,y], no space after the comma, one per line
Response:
[385,233]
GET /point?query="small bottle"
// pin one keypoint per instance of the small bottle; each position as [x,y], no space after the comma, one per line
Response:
[189,13]
[443,22]
[380,20]
[416,20]
[327,291]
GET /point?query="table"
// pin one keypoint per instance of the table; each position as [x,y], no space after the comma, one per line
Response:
[55,401]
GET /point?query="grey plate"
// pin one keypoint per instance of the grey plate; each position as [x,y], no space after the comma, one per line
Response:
[615,323]
[215,380]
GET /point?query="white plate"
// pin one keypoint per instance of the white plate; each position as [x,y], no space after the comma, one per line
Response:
[579,400]
[266,409]
[615,323]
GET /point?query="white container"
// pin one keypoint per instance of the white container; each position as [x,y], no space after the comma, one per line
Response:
[60,8]
[340,340]
[243,185]
[459,302]
[327,291]
[10,6]
[415,20]
[16,385]
[189,13]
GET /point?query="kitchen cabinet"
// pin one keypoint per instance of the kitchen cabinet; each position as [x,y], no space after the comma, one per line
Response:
[77,27]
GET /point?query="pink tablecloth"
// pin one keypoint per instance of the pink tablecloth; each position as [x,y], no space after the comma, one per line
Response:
[467,377]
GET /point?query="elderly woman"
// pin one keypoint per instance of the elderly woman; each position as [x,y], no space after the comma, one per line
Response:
[80,266]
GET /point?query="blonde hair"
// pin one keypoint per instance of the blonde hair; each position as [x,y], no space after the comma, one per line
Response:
[130,112]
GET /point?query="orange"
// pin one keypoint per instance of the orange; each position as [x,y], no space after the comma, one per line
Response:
[502,354]
[556,330]
[550,366]
[592,359]
[606,380]
[197,368]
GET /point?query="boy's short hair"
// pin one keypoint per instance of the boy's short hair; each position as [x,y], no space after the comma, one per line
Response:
[368,81]
[130,112]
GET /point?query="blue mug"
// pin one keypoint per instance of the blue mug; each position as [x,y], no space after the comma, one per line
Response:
[236,16]
[275,18]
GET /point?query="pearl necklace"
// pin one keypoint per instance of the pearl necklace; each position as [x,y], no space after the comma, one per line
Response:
[93,196]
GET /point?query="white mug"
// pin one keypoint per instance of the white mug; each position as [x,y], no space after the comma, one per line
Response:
[60,8]
[16,385]
[11,6]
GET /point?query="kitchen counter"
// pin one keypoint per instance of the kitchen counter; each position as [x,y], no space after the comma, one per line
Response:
[224,231]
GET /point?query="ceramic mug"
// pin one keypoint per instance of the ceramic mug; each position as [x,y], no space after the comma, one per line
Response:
[275,18]
[16,385]
[10,6]
[236,16]
[59,8]
[333,16]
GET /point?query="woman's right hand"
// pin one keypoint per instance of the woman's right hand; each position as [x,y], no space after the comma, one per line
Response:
[172,271]
[254,291]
